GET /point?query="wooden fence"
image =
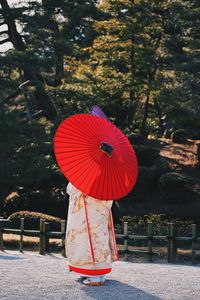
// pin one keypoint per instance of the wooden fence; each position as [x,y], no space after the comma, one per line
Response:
[45,234]
[171,240]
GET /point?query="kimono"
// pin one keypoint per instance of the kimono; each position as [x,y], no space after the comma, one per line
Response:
[90,238]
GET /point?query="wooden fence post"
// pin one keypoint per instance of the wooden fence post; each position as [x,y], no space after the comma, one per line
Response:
[150,239]
[42,237]
[63,229]
[1,239]
[21,234]
[46,238]
[126,240]
[171,251]
[194,242]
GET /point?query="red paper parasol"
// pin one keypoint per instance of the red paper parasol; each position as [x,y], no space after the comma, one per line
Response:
[95,156]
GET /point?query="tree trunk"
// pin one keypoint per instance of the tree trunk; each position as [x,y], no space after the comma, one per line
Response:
[58,49]
[159,113]
[144,121]
[151,76]
[133,98]
[59,69]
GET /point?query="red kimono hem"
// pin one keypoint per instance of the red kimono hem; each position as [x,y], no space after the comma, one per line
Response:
[89,271]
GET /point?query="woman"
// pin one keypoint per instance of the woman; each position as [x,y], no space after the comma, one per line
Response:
[90,238]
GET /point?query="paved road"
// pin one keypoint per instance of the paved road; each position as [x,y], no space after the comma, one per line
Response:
[32,276]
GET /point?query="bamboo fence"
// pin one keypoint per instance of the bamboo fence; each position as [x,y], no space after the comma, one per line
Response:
[45,234]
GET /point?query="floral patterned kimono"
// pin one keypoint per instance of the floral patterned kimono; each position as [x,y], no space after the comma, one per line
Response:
[90,237]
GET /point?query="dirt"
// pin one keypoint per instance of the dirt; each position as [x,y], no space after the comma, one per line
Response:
[179,155]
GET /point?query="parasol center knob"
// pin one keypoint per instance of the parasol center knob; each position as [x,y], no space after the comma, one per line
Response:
[106,148]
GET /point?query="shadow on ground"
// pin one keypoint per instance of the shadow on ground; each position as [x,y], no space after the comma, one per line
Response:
[114,289]
[10,257]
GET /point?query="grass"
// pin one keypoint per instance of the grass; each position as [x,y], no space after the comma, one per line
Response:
[11,242]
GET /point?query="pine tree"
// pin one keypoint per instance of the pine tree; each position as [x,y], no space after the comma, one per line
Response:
[123,66]
[49,30]
[182,59]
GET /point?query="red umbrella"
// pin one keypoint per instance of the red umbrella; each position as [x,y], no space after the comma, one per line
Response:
[95,156]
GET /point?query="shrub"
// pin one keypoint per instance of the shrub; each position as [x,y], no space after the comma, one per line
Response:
[11,203]
[179,136]
[51,201]
[146,155]
[33,216]
[174,180]
[160,167]
[135,138]
[138,225]
[145,181]
[32,219]
[177,188]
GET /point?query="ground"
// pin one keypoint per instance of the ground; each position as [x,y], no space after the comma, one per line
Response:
[182,158]
[180,155]
[32,276]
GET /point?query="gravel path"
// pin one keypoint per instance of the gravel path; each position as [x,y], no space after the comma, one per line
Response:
[32,276]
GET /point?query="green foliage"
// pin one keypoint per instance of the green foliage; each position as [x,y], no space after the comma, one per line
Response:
[31,215]
[176,188]
[138,225]
[120,67]
[26,149]
[146,155]
[182,58]
[179,136]
[11,204]
[174,180]
[138,60]
[32,220]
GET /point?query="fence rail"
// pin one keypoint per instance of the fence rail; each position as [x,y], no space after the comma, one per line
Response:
[45,234]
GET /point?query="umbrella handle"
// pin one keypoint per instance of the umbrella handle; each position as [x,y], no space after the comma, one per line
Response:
[106,148]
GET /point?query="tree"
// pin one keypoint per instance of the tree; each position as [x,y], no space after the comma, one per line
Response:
[30,72]
[48,30]
[123,67]
[182,60]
